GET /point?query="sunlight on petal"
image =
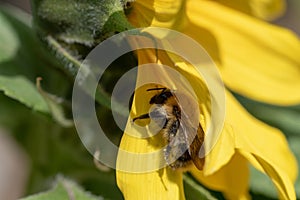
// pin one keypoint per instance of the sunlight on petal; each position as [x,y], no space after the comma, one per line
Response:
[160,184]
[264,9]
[256,59]
[164,13]
[221,153]
[265,147]
[232,179]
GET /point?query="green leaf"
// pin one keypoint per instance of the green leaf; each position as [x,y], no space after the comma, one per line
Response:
[54,149]
[64,189]
[194,191]
[294,142]
[31,59]
[261,184]
[55,105]
[22,90]
[9,42]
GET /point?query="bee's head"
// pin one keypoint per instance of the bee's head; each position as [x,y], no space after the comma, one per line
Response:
[161,98]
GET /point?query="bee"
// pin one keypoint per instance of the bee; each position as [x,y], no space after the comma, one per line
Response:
[183,139]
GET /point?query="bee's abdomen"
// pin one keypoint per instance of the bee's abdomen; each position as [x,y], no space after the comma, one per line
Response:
[176,111]
[183,162]
[185,157]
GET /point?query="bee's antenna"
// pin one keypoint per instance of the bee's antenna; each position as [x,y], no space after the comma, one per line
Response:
[144,116]
[163,89]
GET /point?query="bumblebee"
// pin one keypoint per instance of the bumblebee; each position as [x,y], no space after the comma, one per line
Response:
[184,140]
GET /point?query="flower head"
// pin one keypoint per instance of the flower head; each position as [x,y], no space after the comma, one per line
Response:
[256,59]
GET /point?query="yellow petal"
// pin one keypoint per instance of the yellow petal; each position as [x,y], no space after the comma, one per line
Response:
[256,59]
[264,9]
[278,176]
[160,184]
[162,13]
[139,177]
[232,179]
[265,147]
[253,139]
[168,13]
[221,153]
[164,183]
[141,13]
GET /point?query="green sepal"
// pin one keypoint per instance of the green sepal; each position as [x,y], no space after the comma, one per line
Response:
[72,28]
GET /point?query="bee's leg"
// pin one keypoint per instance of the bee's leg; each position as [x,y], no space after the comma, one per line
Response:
[130,101]
[144,116]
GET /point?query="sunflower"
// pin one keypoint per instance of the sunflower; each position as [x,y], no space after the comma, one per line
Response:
[256,59]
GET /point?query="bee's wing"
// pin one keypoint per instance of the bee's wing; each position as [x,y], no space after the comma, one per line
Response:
[193,135]
[177,147]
